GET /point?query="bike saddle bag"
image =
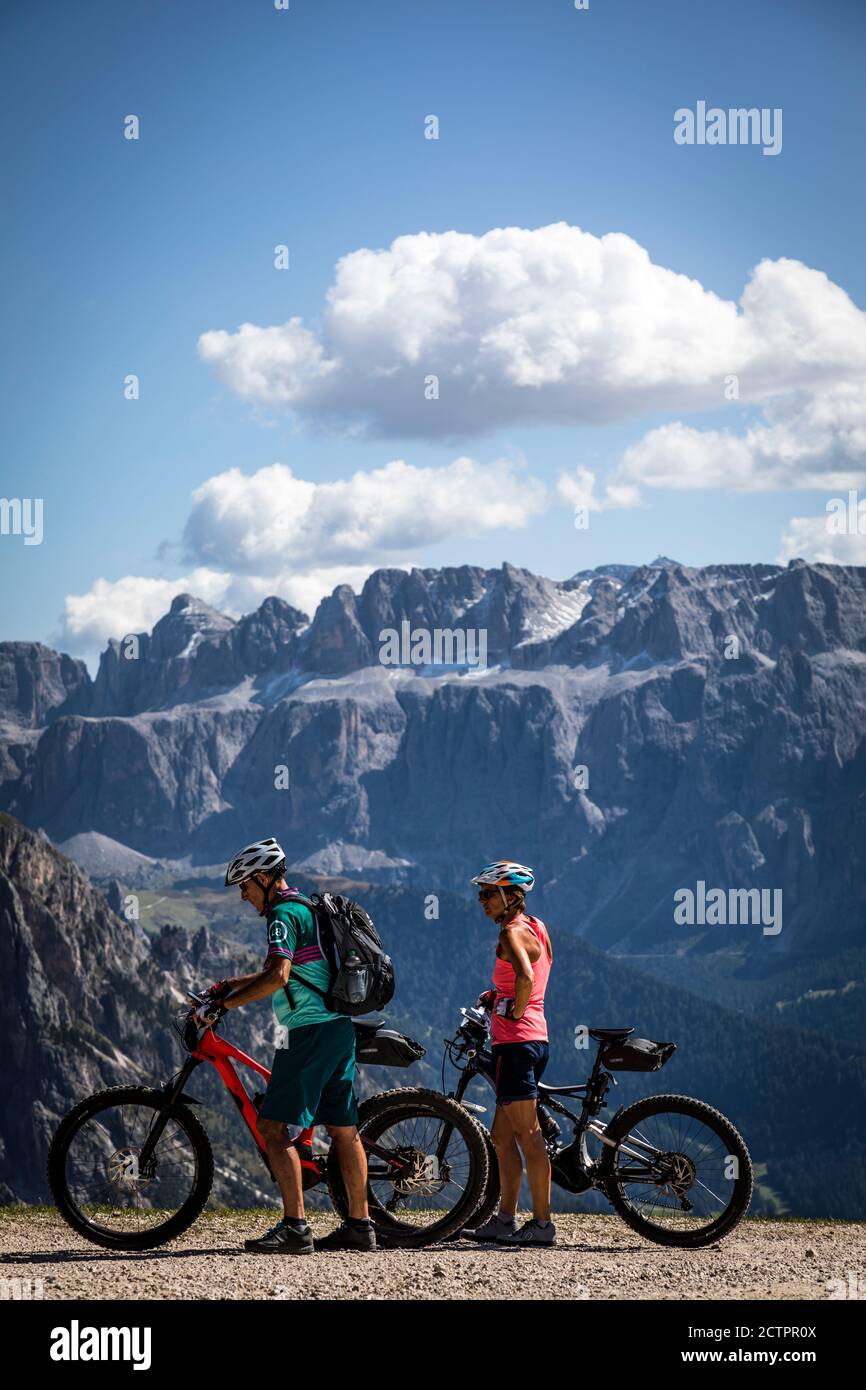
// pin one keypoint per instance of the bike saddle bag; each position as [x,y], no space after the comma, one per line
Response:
[638,1054]
[385,1048]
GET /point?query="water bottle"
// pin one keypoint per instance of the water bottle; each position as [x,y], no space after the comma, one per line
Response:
[355,978]
[549,1128]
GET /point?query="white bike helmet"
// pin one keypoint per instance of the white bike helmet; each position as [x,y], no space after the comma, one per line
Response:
[261,858]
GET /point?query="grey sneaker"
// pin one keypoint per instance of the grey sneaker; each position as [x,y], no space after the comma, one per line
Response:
[531,1233]
[494,1229]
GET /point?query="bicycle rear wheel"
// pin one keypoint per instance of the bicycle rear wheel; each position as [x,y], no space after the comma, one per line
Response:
[680,1173]
[427,1166]
[101,1189]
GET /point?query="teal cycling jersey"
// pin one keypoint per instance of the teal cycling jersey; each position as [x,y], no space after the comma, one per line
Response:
[294,935]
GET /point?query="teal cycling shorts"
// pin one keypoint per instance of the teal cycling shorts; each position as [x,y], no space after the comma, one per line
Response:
[313,1079]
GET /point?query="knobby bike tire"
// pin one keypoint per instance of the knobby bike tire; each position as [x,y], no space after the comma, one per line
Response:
[156,1235]
[405,1103]
[698,1109]
[490,1197]
[490,1201]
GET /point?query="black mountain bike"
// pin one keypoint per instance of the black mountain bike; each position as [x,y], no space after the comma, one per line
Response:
[674,1168]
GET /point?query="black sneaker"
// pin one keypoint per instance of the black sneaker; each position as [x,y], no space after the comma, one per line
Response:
[282,1239]
[347,1237]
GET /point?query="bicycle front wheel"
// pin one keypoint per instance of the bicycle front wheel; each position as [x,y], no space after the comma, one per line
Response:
[427,1166]
[106,1193]
[679,1174]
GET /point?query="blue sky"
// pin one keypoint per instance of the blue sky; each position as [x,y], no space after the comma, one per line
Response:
[306,127]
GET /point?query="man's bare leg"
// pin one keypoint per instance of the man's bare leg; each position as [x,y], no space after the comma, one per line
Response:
[286,1164]
[352,1158]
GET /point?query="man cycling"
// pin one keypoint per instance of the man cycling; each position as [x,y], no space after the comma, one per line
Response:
[312,1080]
[519,1044]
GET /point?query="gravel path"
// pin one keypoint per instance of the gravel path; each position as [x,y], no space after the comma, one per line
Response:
[596,1257]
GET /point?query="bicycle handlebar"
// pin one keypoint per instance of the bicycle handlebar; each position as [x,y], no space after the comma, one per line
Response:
[214,1011]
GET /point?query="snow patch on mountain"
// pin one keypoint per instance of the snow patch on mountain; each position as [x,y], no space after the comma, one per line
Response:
[565,609]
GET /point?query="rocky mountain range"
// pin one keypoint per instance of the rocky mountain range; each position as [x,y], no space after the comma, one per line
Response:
[87,1001]
[635,731]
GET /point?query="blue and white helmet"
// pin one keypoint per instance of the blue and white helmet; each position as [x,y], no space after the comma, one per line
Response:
[261,858]
[505,873]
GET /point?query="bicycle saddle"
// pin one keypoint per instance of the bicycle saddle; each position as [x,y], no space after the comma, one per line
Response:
[609,1034]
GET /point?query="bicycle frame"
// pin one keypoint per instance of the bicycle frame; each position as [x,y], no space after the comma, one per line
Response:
[221,1054]
[210,1047]
[591,1093]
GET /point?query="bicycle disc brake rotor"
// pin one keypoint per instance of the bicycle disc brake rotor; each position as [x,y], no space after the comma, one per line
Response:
[422,1174]
[123,1170]
[678,1174]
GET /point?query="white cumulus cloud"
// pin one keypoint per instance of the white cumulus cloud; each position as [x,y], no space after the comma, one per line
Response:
[113,608]
[259,522]
[836,538]
[578,488]
[271,532]
[555,325]
[807,441]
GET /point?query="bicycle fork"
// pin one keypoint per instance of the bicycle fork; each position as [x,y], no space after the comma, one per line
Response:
[174,1093]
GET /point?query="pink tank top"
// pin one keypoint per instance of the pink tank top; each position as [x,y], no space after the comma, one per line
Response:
[532,1027]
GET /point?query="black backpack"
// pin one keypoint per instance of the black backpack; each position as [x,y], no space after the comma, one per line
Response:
[362,975]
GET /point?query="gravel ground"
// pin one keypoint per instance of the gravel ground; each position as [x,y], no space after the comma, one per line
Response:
[595,1257]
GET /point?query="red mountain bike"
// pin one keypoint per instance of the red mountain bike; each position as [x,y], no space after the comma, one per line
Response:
[132,1167]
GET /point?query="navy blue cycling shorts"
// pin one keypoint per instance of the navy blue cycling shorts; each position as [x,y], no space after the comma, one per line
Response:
[518,1067]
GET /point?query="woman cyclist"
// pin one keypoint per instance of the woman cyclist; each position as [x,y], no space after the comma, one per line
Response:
[518,1035]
